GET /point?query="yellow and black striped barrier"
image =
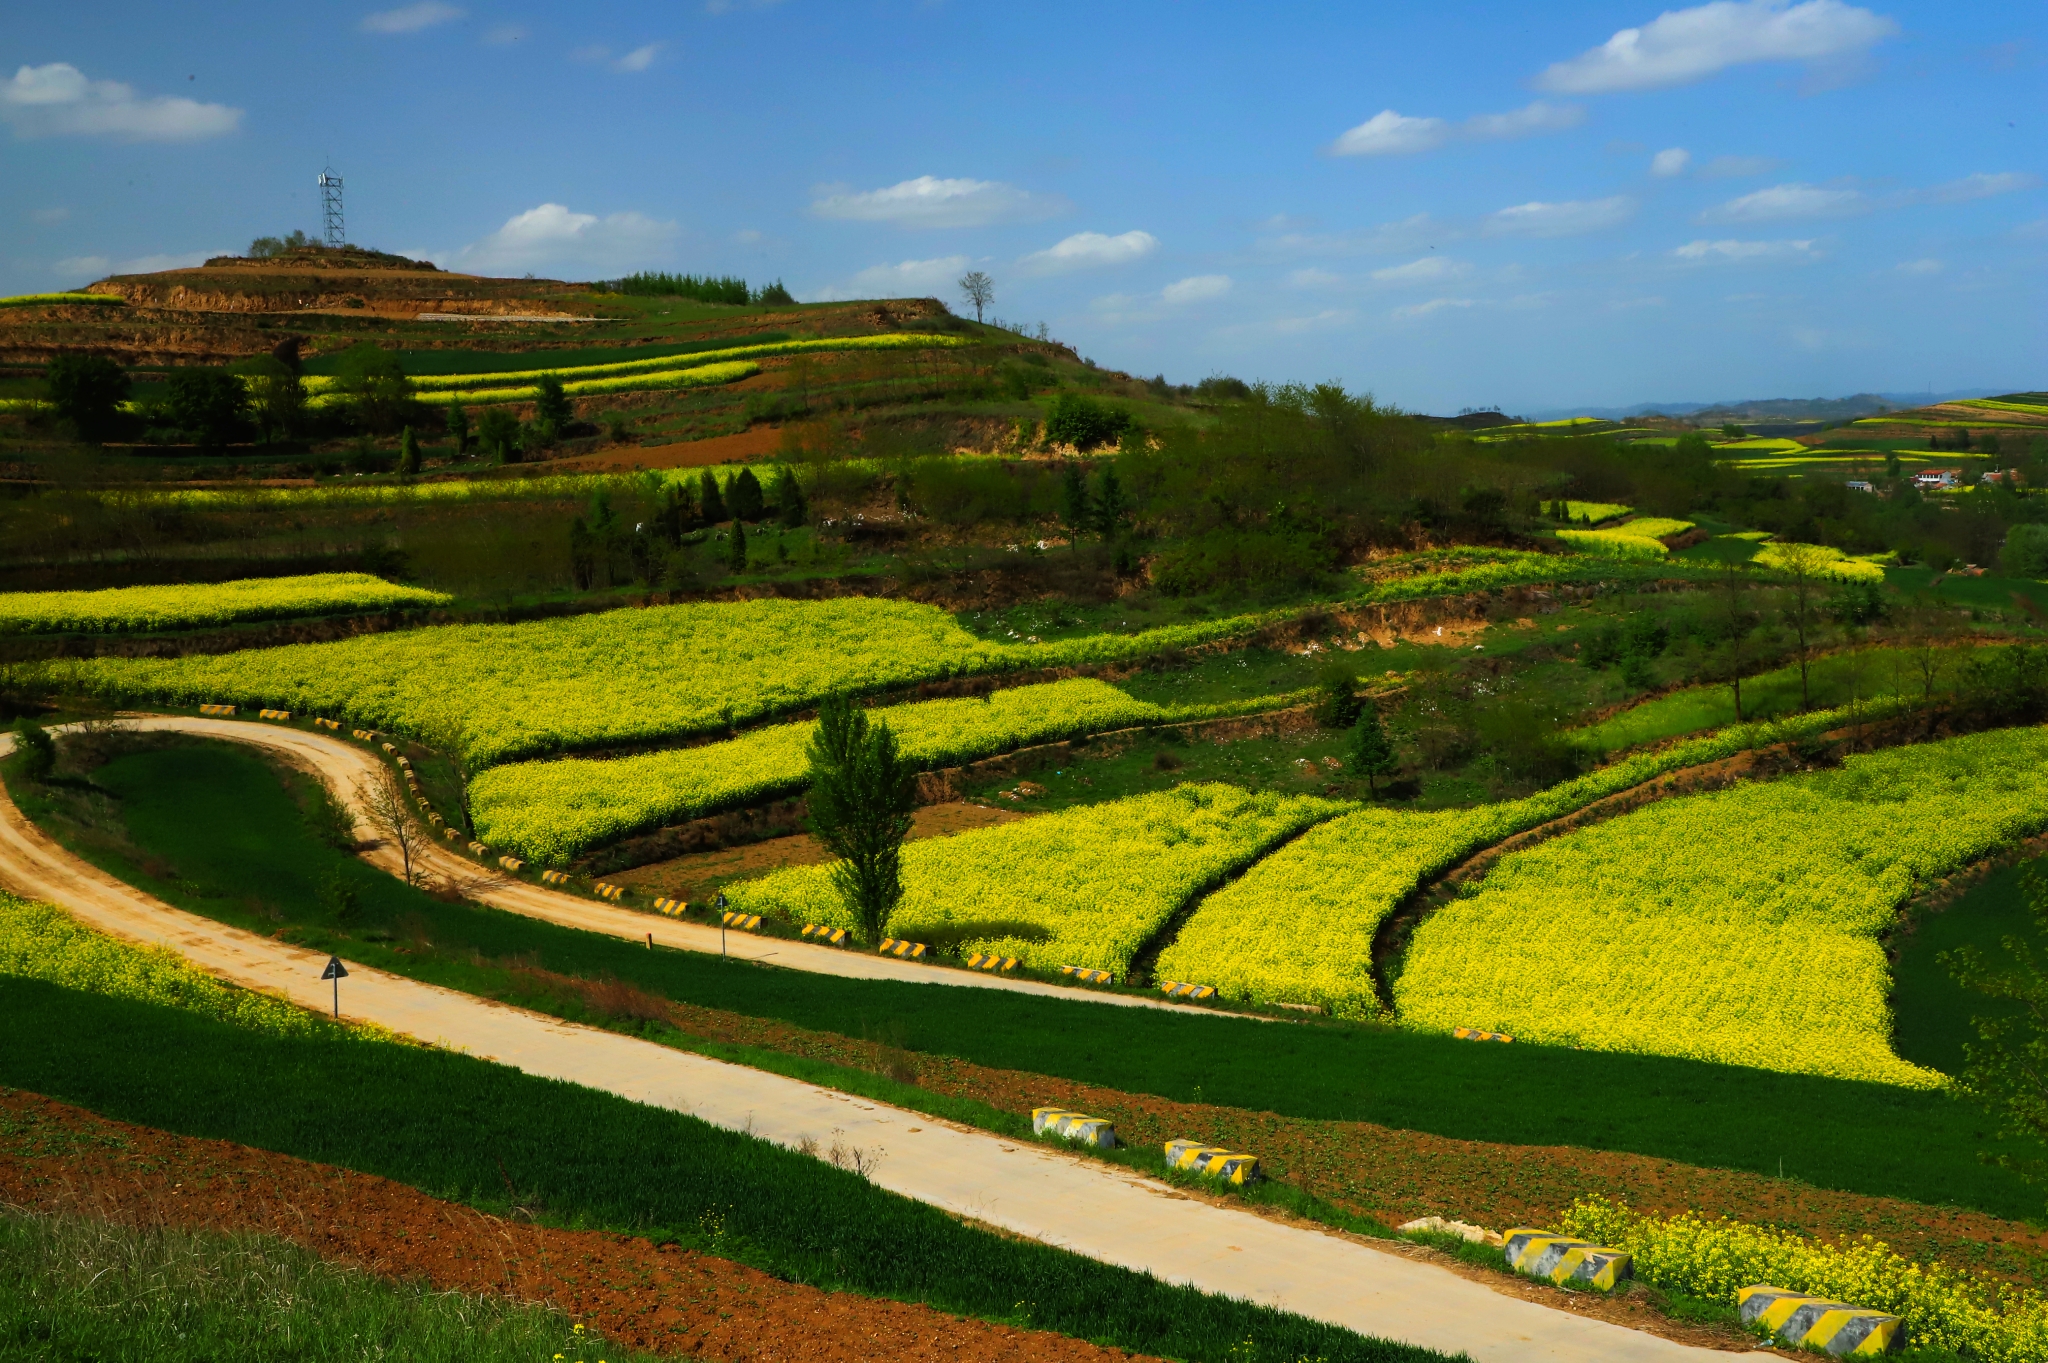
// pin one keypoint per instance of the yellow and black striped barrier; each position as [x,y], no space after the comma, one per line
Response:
[1213,1160]
[388,747]
[612,892]
[1474,1034]
[405,762]
[554,877]
[674,908]
[745,922]
[983,961]
[434,818]
[451,832]
[479,849]
[1074,1126]
[510,863]
[333,724]
[1086,974]
[216,709]
[365,735]
[1175,989]
[830,936]
[1804,1322]
[1561,1259]
[273,714]
[892,946]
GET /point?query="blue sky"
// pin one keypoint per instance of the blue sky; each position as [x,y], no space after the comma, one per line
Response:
[1458,204]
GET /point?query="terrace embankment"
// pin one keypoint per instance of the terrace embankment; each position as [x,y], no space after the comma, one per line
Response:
[661,1298]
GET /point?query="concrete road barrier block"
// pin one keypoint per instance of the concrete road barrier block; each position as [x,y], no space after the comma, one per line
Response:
[1175,989]
[273,714]
[983,961]
[819,932]
[479,849]
[451,833]
[908,950]
[672,907]
[1074,1126]
[366,735]
[554,877]
[612,892]
[333,724]
[216,709]
[387,747]
[510,863]
[1229,1165]
[1805,1322]
[1561,1259]
[1474,1034]
[1086,974]
[745,922]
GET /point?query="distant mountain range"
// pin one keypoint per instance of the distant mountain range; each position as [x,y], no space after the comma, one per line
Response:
[1770,409]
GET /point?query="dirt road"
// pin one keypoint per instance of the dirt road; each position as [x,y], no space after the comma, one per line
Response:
[1097,1210]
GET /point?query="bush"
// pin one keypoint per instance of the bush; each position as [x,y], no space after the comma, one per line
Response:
[87,391]
[372,383]
[1235,558]
[2026,551]
[208,403]
[1084,422]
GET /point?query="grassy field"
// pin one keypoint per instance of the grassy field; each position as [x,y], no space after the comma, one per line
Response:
[258,862]
[1931,1012]
[471,1131]
[83,1288]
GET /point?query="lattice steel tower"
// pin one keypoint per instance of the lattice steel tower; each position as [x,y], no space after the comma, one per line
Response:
[330,208]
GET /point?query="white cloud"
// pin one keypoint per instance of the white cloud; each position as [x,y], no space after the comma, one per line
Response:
[1089,250]
[1671,161]
[1789,201]
[1427,270]
[505,33]
[552,237]
[411,18]
[1685,45]
[57,99]
[1560,219]
[83,268]
[1414,310]
[1312,278]
[1392,238]
[1738,251]
[1977,187]
[1196,289]
[929,201]
[1388,133]
[639,59]
[1733,167]
[49,217]
[906,279]
[1928,266]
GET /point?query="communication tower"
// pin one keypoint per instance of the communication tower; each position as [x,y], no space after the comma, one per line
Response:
[330,208]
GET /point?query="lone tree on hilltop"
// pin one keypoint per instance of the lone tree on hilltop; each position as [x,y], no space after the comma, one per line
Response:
[978,289]
[862,792]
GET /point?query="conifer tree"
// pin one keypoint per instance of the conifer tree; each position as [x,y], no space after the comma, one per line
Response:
[743,496]
[714,504]
[736,548]
[1076,507]
[1372,752]
[862,792]
[408,452]
[458,428]
[789,498]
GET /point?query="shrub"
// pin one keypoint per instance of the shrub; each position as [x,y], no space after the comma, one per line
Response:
[208,403]
[1084,422]
[87,391]
[2026,551]
[1231,558]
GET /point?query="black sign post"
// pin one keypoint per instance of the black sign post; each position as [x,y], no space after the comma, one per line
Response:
[335,971]
[719,904]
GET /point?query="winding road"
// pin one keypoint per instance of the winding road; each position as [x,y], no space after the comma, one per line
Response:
[1091,1208]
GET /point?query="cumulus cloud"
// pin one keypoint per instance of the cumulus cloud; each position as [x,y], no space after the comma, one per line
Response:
[1388,133]
[1414,310]
[1976,187]
[80,269]
[58,100]
[1091,250]
[905,279]
[1560,219]
[411,18]
[929,201]
[1387,239]
[1790,201]
[1427,270]
[552,237]
[1680,46]
[1196,289]
[1729,251]
[1669,162]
